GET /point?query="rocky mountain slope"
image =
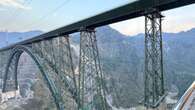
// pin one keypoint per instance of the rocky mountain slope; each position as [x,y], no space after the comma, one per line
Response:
[122,59]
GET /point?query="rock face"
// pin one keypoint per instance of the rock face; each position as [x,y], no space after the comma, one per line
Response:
[33,93]
[9,95]
[122,60]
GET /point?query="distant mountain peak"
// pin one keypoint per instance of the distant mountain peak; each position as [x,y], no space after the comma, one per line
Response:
[7,38]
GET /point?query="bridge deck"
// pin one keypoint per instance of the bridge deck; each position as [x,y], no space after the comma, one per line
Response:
[131,10]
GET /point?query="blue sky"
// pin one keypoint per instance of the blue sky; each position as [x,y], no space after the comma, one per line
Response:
[46,15]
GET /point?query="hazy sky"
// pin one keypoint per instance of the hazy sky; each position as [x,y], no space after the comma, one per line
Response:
[24,15]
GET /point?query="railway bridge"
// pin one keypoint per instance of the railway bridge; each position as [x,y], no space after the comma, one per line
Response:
[52,54]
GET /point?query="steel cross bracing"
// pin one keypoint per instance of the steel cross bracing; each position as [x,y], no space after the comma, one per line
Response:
[154,79]
[133,9]
[91,87]
[52,54]
[85,90]
[54,59]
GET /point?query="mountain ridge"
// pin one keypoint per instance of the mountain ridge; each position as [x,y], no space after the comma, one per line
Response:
[122,59]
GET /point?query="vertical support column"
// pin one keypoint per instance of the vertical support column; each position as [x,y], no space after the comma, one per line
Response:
[16,70]
[10,78]
[154,79]
[91,90]
[74,93]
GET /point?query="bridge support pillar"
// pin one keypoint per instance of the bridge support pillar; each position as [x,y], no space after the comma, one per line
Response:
[91,90]
[154,79]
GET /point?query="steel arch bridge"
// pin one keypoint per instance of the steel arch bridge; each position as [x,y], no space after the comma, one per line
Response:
[54,60]
[56,79]
[12,66]
[52,54]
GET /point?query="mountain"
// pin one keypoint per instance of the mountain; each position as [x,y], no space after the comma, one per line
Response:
[122,60]
[13,37]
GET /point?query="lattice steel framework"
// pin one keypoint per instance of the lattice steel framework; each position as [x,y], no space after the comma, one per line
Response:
[154,79]
[54,59]
[91,90]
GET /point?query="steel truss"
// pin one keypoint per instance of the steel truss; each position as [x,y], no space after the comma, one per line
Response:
[154,79]
[54,59]
[91,90]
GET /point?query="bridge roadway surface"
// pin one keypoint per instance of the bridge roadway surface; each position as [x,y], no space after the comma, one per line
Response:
[132,10]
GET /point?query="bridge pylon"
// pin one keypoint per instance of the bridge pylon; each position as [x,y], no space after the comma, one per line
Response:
[91,87]
[154,78]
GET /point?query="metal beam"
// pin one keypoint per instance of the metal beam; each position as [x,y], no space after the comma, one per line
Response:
[122,13]
[154,79]
[91,90]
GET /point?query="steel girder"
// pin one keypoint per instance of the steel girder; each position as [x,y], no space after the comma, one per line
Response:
[154,79]
[91,90]
[53,58]
[12,71]
[3,61]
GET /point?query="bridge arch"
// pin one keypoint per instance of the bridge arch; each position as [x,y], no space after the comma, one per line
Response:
[17,52]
